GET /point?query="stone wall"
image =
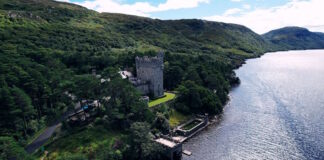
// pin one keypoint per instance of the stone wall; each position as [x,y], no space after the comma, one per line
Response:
[150,69]
[143,88]
[203,122]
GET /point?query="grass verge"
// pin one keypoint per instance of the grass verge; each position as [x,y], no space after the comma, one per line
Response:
[177,118]
[166,98]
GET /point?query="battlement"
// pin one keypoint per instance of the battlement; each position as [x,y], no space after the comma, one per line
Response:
[150,61]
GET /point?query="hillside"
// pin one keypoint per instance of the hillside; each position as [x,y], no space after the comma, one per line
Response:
[118,31]
[295,38]
[49,50]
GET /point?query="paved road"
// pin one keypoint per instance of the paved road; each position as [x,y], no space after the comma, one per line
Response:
[48,132]
[41,139]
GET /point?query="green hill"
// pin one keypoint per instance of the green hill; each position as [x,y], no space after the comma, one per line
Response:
[49,49]
[117,31]
[295,38]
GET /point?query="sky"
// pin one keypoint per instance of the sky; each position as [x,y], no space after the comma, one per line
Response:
[259,15]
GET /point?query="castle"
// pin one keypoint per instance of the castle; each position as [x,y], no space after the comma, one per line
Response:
[149,80]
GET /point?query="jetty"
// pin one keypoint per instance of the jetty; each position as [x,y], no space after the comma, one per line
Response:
[173,142]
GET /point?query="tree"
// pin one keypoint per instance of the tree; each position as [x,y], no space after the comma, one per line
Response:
[142,146]
[22,108]
[161,123]
[173,77]
[110,72]
[197,99]
[6,103]
[124,105]
[217,83]
[86,87]
[189,95]
[69,156]
[138,136]
[9,149]
[192,75]
[107,152]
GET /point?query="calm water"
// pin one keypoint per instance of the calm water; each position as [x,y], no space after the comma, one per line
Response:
[276,113]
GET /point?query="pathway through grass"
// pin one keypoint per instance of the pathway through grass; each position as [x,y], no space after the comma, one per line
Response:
[166,98]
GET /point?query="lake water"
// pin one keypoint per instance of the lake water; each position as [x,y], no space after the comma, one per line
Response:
[277,112]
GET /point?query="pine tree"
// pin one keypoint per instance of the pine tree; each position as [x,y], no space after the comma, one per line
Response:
[23,108]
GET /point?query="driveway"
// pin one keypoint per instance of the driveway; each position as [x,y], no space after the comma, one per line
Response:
[48,132]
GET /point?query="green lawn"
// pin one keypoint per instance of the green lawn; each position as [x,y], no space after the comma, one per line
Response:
[83,142]
[176,118]
[191,125]
[166,98]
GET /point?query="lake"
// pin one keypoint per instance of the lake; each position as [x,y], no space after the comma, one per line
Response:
[277,112]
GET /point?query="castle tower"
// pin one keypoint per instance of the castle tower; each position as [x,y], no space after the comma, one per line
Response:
[150,69]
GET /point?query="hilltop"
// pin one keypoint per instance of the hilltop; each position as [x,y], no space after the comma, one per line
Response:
[291,38]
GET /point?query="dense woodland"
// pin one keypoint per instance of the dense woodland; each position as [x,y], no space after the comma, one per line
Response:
[48,50]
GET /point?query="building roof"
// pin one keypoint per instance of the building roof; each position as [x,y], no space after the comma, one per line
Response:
[125,74]
[166,142]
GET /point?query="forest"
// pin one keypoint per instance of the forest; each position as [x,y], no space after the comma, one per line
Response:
[49,50]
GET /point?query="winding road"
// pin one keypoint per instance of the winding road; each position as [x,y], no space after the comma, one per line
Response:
[41,139]
[48,132]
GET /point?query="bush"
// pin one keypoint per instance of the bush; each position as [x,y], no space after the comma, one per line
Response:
[70,156]
[10,149]
[197,99]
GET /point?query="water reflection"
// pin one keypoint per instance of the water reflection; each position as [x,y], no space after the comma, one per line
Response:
[276,113]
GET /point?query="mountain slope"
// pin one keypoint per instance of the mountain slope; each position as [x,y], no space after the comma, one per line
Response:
[295,38]
[49,49]
[47,46]
[124,31]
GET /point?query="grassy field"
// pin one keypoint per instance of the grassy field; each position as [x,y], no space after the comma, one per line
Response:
[85,142]
[166,98]
[176,118]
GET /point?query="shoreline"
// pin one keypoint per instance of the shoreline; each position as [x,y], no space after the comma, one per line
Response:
[216,120]
[212,122]
[231,129]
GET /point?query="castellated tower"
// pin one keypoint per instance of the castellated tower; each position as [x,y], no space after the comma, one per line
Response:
[150,70]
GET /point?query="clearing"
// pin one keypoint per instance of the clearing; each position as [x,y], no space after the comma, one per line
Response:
[84,141]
